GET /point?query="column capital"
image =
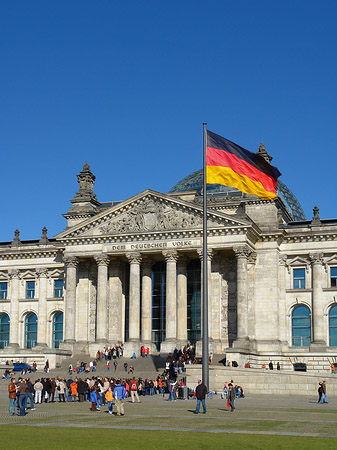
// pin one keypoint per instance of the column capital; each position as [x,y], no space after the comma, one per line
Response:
[14,273]
[171,256]
[71,261]
[134,258]
[102,260]
[242,251]
[42,272]
[316,258]
[147,261]
[210,254]
[183,260]
[282,260]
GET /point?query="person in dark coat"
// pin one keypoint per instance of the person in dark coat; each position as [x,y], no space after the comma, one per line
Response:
[200,392]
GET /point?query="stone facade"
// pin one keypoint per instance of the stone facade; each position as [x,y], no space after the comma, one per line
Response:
[110,255]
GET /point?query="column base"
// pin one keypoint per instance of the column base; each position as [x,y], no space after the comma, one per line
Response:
[318,346]
[132,346]
[41,344]
[241,343]
[13,345]
[168,346]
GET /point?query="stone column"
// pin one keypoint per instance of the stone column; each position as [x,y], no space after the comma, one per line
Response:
[42,338]
[14,276]
[134,296]
[318,335]
[182,301]
[116,318]
[102,298]
[282,300]
[171,257]
[71,263]
[209,285]
[242,253]
[146,302]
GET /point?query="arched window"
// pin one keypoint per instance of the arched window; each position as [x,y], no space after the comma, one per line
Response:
[4,330]
[333,326]
[57,329]
[301,326]
[30,330]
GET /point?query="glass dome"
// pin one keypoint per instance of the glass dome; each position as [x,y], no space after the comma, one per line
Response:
[194,182]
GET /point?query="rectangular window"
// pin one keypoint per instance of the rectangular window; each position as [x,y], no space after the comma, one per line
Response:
[333,276]
[3,290]
[58,288]
[30,289]
[299,278]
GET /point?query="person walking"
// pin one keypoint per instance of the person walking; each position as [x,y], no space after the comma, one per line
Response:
[200,392]
[231,396]
[12,408]
[324,398]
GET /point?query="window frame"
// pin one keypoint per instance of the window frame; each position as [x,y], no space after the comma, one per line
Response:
[299,279]
[333,277]
[30,290]
[58,290]
[3,292]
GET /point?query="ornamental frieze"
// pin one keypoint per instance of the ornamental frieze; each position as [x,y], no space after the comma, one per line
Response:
[152,215]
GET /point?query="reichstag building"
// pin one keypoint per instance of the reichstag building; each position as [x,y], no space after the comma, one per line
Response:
[130,272]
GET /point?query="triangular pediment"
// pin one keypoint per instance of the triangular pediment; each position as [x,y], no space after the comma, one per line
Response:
[150,212]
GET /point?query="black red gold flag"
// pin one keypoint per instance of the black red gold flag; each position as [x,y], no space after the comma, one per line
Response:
[231,165]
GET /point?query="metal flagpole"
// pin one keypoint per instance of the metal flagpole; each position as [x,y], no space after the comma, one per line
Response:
[205,367]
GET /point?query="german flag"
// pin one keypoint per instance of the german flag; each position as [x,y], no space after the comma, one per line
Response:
[231,165]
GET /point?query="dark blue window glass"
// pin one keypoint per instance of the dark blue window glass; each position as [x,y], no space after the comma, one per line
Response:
[4,330]
[58,288]
[299,278]
[333,276]
[30,330]
[30,289]
[333,326]
[57,329]
[3,290]
[301,326]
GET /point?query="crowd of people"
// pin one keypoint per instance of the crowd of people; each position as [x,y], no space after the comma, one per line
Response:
[24,394]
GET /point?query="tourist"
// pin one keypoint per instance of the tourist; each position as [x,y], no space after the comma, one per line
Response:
[12,408]
[61,390]
[73,391]
[109,399]
[278,367]
[200,392]
[231,396]
[134,391]
[22,397]
[119,394]
[38,388]
[271,366]
[108,366]
[93,399]
[30,394]
[324,398]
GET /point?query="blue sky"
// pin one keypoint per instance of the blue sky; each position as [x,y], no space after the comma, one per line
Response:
[127,85]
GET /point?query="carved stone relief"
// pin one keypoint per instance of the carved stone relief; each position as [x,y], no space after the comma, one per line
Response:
[152,214]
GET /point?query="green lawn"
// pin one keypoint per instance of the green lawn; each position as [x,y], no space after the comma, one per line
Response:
[63,438]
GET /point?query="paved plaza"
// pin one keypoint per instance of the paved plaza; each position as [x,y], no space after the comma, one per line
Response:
[255,414]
